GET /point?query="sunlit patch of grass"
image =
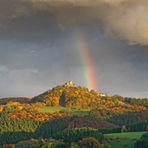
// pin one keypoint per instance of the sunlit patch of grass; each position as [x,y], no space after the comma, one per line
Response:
[47,109]
[73,111]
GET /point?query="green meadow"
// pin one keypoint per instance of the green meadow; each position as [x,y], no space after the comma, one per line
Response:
[73,111]
[47,109]
[123,140]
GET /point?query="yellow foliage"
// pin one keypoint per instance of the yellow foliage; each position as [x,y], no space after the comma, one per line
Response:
[1,108]
[16,105]
[13,104]
[8,146]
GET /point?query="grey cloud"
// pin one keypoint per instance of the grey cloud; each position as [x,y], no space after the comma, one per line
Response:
[123,19]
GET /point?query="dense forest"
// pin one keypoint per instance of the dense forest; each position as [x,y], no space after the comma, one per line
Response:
[69,116]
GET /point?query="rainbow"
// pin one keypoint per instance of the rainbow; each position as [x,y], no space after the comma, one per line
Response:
[87,62]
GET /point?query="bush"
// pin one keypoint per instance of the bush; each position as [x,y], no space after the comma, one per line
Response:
[89,142]
[52,143]
[30,143]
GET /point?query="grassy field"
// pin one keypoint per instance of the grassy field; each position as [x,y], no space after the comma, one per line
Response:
[47,109]
[124,140]
[73,111]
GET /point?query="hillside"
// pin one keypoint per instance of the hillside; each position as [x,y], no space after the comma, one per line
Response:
[69,112]
[71,95]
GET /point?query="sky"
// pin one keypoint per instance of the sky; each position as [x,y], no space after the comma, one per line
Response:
[39,45]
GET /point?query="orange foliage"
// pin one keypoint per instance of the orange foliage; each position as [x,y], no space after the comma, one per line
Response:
[83,98]
[8,146]
[34,115]
[27,107]
[15,105]
[1,108]
[32,107]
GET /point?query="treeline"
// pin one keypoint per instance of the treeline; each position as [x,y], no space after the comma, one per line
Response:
[76,134]
[4,101]
[128,118]
[126,128]
[88,142]
[134,101]
[119,119]
[37,143]
[67,136]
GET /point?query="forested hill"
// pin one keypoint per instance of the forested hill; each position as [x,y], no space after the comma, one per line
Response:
[71,95]
[69,113]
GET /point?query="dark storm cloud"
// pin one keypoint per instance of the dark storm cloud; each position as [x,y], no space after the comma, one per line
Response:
[122,19]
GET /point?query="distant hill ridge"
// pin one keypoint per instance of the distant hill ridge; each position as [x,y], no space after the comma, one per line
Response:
[71,95]
[4,101]
[61,93]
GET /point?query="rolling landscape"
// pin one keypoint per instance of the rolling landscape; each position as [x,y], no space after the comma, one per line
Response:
[73,73]
[72,116]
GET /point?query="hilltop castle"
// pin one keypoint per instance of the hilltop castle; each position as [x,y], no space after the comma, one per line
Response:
[69,84]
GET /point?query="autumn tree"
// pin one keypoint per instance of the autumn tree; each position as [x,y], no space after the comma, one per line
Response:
[89,142]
